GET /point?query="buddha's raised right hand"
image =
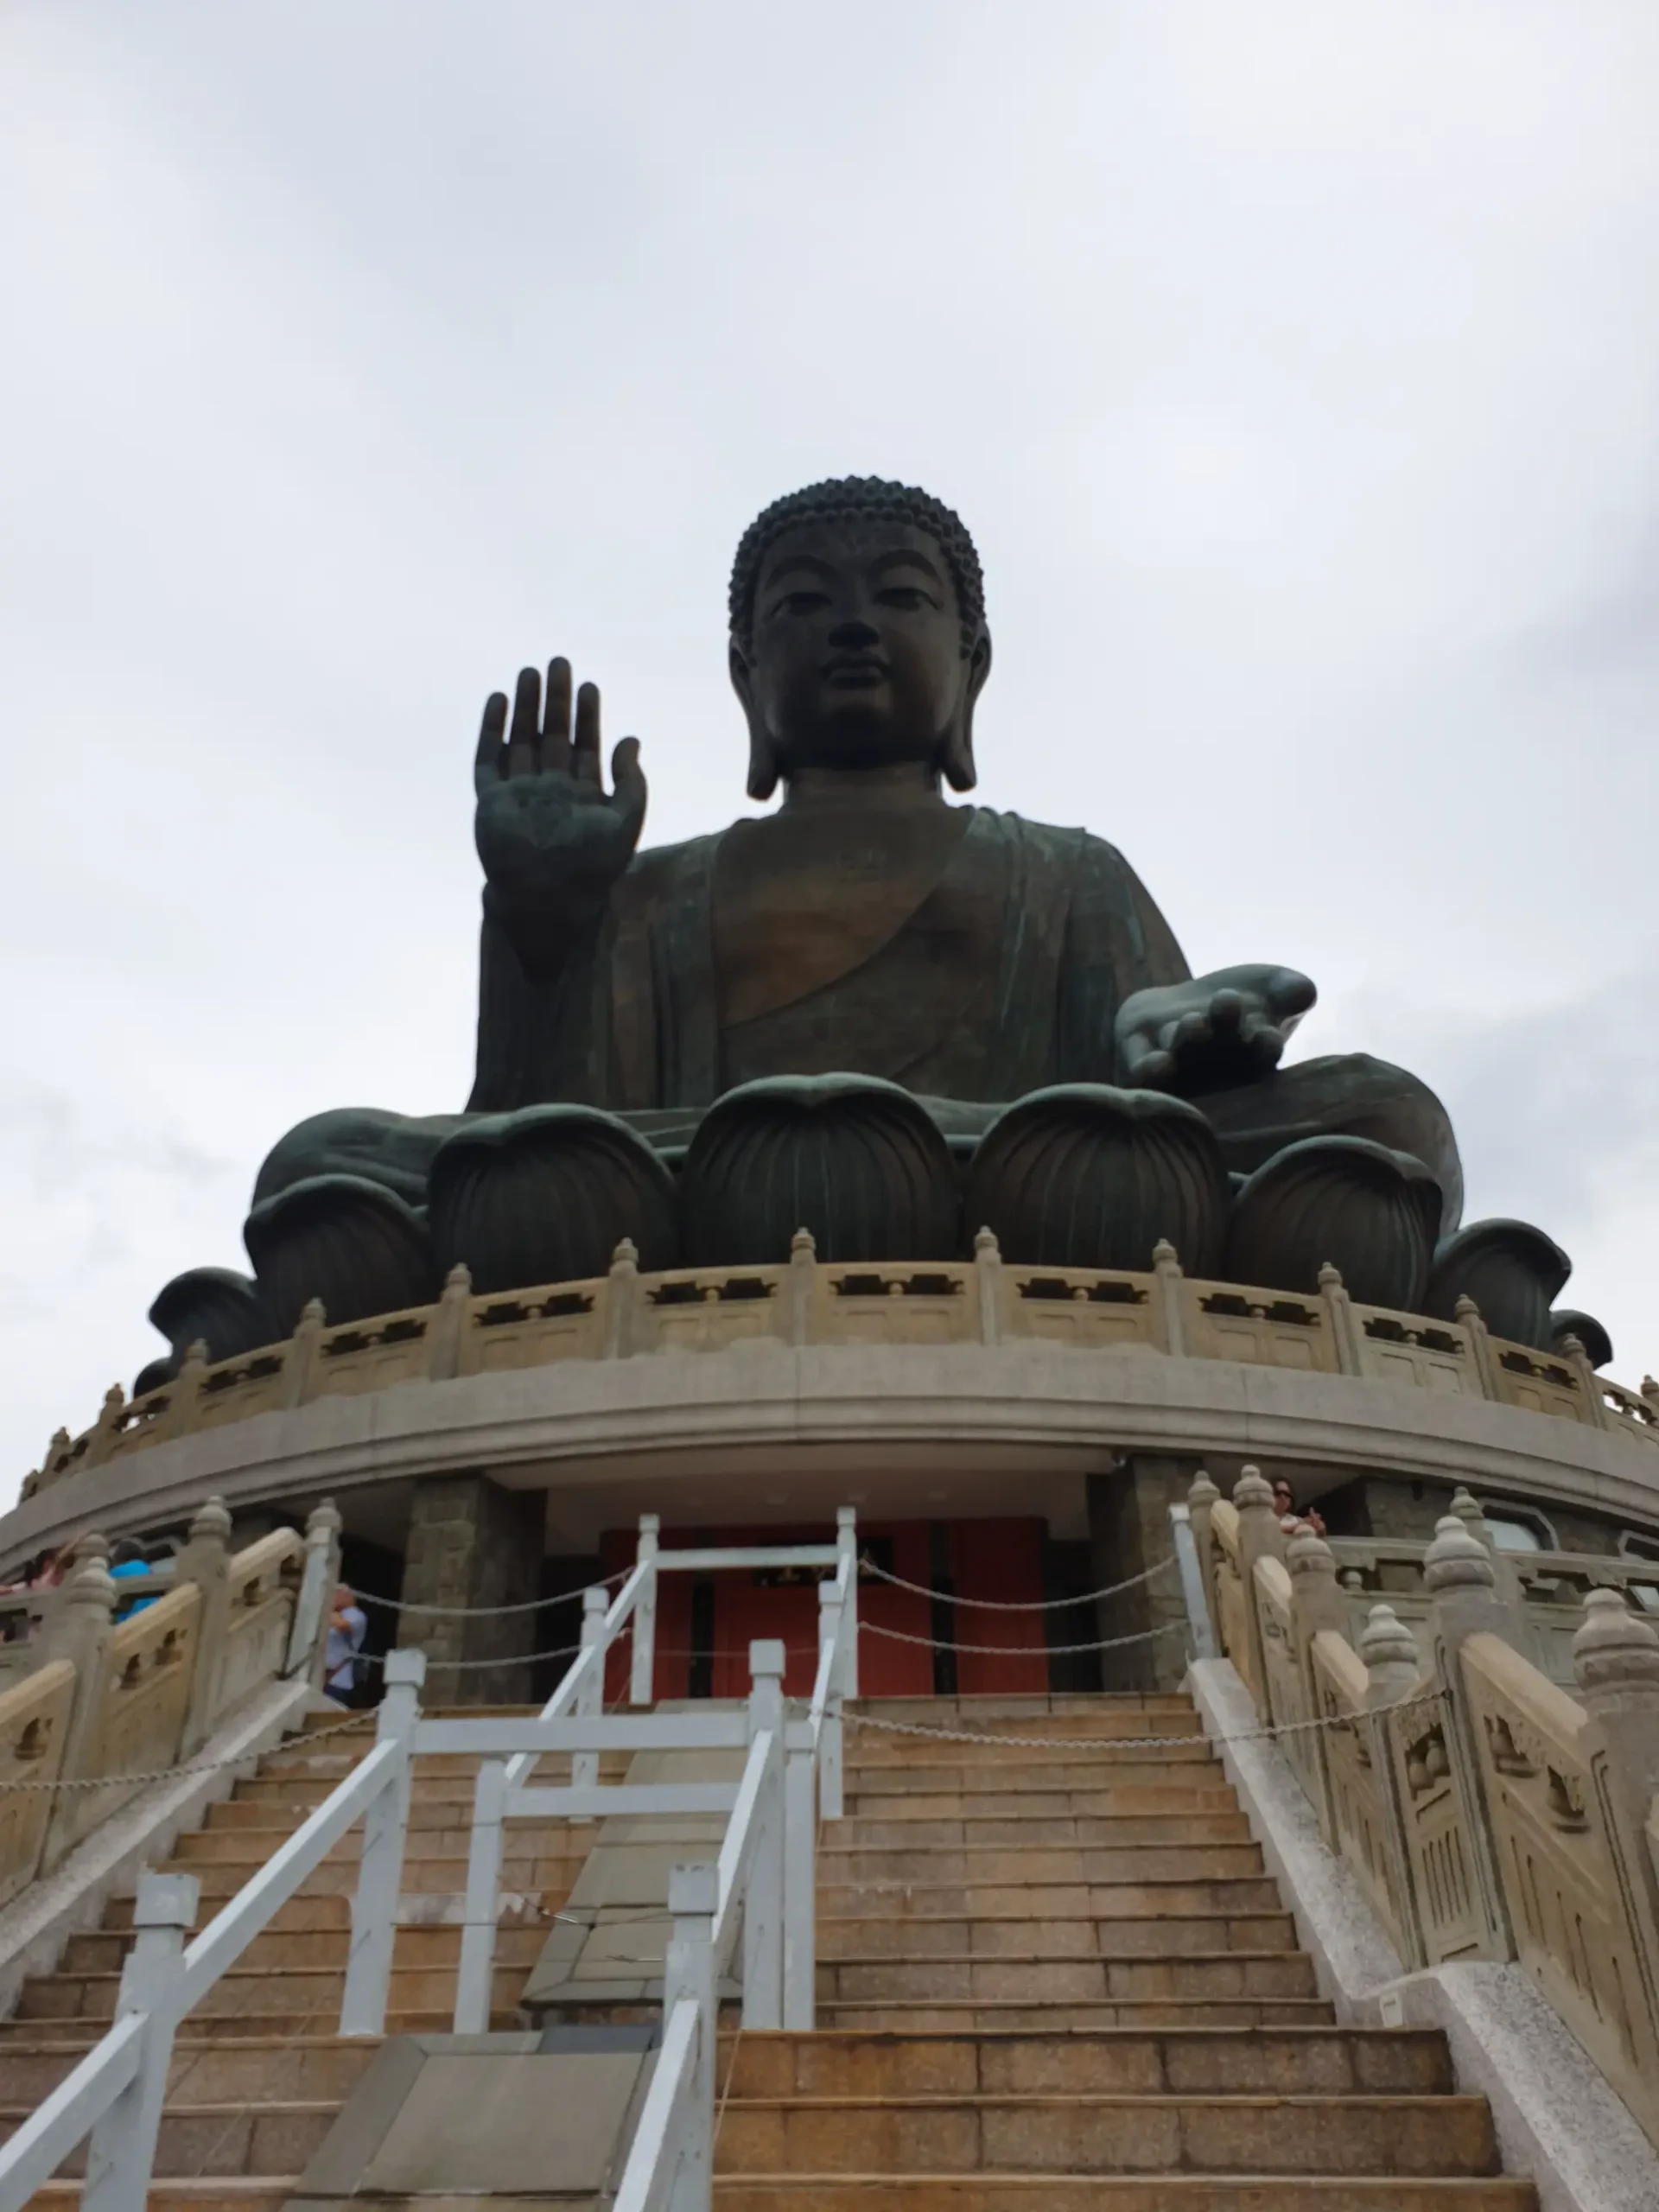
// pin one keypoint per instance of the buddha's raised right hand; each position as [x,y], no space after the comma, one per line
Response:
[552,840]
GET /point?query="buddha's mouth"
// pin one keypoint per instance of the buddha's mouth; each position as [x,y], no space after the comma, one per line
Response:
[855,675]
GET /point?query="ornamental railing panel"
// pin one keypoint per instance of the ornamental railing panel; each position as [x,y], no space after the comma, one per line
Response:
[981,1300]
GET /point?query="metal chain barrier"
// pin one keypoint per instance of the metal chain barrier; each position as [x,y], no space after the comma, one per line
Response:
[1018,1651]
[493,1612]
[1269,1734]
[867,1566]
[203,1766]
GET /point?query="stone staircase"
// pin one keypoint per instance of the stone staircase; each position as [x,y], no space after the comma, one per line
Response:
[258,2072]
[1059,1978]
[1049,1978]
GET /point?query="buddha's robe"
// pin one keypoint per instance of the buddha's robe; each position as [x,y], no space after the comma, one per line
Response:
[970,956]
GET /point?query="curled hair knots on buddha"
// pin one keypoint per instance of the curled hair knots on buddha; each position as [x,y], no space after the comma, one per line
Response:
[839,496]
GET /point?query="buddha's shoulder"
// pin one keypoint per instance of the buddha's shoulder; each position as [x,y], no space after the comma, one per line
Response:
[1046,843]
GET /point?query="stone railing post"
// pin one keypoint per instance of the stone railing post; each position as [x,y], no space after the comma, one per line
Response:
[1467,1315]
[184,1394]
[447,1331]
[1616,1661]
[106,1428]
[1393,1669]
[1462,1583]
[80,1634]
[1596,1411]
[307,1636]
[802,1286]
[206,1561]
[1201,1501]
[993,1288]
[1260,1536]
[301,1360]
[622,1302]
[1509,1591]
[1316,1602]
[1167,1294]
[1339,1320]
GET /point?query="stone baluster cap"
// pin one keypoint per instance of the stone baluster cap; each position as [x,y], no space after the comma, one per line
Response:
[1615,1648]
[1252,1490]
[1458,1560]
[1386,1641]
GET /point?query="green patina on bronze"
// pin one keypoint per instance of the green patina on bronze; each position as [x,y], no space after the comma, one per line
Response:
[868,924]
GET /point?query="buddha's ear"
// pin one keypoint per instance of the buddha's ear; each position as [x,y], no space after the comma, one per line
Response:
[957,759]
[763,753]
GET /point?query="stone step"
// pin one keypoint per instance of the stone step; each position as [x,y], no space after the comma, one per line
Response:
[259,1840]
[212,2193]
[1090,1727]
[1441,2136]
[433,1867]
[1104,2193]
[1037,1861]
[912,1830]
[547,1878]
[1205,1790]
[1210,1810]
[268,2137]
[1161,1762]
[272,2021]
[856,1937]
[312,1909]
[275,1818]
[311,1994]
[301,1787]
[1046,2016]
[279,1949]
[1055,1978]
[1062,1898]
[1200,2061]
[223,2069]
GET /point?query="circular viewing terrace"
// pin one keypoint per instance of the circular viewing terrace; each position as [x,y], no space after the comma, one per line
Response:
[979,1361]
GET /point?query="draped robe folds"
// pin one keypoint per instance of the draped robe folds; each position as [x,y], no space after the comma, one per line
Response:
[979,968]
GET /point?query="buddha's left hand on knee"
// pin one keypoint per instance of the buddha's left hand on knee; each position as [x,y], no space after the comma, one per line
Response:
[1211,1034]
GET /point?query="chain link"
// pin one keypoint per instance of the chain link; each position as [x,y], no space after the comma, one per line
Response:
[1017,1651]
[18,1782]
[1021,1605]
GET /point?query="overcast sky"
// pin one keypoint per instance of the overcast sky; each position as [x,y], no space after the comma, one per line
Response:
[1294,367]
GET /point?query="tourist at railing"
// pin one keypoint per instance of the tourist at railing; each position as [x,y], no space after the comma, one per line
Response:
[347,1626]
[129,1561]
[1290,1519]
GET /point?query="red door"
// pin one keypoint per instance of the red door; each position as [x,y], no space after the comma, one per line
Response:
[706,1623]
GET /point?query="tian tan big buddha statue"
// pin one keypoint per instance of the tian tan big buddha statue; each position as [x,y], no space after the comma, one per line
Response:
[873,1014]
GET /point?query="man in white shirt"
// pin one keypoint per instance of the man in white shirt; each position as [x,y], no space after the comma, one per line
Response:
[348,1627]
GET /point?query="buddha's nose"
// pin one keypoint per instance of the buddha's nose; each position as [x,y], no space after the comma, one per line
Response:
[854,635]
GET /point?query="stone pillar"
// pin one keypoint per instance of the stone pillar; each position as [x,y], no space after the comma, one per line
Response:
[1616,1661]
[1129,1532]
[472,1543]
[1462,1581]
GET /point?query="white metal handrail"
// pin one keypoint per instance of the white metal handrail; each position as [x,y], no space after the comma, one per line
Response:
[760,1887]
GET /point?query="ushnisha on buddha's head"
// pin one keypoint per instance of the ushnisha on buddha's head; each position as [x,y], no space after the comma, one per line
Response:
[858,634]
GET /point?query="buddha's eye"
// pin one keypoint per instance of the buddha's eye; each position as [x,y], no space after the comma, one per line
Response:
[909,597]
[800,602]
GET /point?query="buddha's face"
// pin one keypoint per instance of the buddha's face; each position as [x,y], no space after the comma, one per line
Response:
[856,659]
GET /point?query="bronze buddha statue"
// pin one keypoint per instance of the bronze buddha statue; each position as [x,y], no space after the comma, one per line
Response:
[955,960]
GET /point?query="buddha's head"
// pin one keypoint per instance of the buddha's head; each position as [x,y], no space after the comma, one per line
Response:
[858,633]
